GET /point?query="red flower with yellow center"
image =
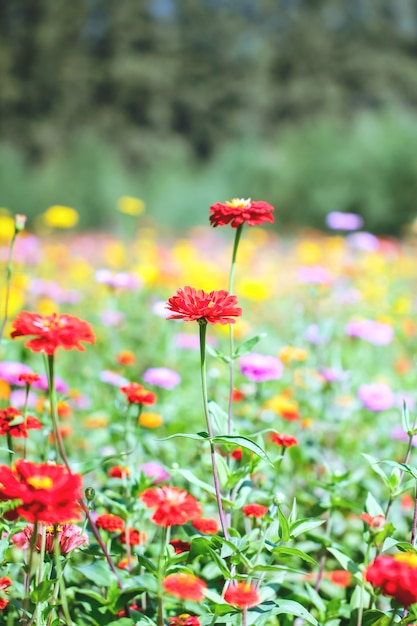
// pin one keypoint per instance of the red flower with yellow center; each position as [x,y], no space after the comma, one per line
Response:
[137,394]
[242,594]
[48,493]
[52,331]
[185,586]
[396,576]
[241,211]
[216,307]
[172,506]
[14,424]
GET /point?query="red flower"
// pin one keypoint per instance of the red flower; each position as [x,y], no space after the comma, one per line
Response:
[69,537]
[396,576]
[137,394]
[184,620]
[376,523]
[237,454]
[340,577]
[118,471]
[14,424]
[216,307]
[173,505]
[180,546]
[185,586]
[111,523]
[287,441]
[242,595]
[29,378]
[136,538]
[240,211]
[206,525]
[255,510]
[52,331]
[48,493]
[126,357]
[5,583]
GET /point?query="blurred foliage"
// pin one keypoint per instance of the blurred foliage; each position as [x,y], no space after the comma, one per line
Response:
[184,102]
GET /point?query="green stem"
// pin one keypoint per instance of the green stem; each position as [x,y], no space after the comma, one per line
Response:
[25,408]
[60,577]
[28,572]
[231,337]
[161,571]
[203,330]
[9,270]
[40,575]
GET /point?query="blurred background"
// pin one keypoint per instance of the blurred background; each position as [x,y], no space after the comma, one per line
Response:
[307,104]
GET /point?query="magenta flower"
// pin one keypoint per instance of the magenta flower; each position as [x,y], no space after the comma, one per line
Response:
[314,275]
[120,280]
[363,241]
[11,370]
[70,536]
[377,333]
[60,385]
[376,397]
[154,470]
[260,368]
[162,377]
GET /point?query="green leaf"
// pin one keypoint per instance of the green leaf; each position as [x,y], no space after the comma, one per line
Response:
[304,526]
[43,591]
[290,607]
[284,528]
[3,547]
[403,467]
[284,551]
[247,345]
[372,506]
[405,418]
[216,353]
[218,417]
[243,442]
[374,463]
[199,436]
[99,572]
[346,562]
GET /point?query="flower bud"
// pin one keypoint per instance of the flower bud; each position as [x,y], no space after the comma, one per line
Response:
[19,222]
[90,494]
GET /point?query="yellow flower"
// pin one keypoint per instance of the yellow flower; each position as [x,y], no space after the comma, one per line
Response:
[291,353]
[150,420]
[253,289]
[97,420]
[61,217]
[5,390]
[6,227]
[130,205]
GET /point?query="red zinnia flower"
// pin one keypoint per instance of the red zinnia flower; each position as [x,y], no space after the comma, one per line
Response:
[185,586]
[5,583]
[206,525]
[287,441]
[255,510]
[52,331]
[126,357]
[242,595]
[237,454]
[136,538]
[240,211]
[184,620]
[180,546]
[216,307]
[340,577]
[173,505]
[110,522]
[29,378]
[48,493]
[396,576]
[137,394]
[376,523]
[14,424]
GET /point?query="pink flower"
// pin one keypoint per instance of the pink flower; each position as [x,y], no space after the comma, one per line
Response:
[70,536]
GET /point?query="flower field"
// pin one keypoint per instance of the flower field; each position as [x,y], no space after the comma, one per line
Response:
[212,429]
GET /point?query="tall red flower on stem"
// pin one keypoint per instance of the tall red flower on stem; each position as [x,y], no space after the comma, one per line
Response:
[216,307]
[48,493]
[241,211]
[172,505]
[14,424]
[137,394]
[52,331]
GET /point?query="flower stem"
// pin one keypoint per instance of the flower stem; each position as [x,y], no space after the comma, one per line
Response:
[203,329]
[161,570]
[9,270]
[62,594]
[231,336]
[40,574]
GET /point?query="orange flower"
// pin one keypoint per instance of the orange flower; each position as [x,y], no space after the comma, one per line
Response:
[110,522]
[185,586]
[52,331]
[126,357]
[242,595]
[137,394]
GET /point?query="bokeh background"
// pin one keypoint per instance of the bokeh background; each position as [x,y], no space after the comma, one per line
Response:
[307,104]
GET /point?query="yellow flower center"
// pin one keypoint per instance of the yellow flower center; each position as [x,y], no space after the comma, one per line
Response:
[407,557]
[40,482]
[239,203]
